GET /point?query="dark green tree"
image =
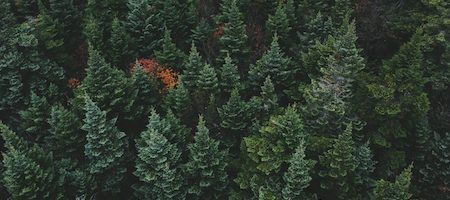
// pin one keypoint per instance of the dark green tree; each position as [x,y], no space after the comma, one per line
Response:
[191,68]
[234,117]
[119,52]
[398,190]
[147,93]
[170,55]
[105,148]
[35,119]
[157,163]
[316,29]
[364,183]
[179,101]
[207,81]
[298,175]
[341,9]
[338,167]
[278,24]
[229,75]
[207,177]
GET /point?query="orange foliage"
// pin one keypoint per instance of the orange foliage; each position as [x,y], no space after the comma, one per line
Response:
[167,76]
[219,31]
[73,83]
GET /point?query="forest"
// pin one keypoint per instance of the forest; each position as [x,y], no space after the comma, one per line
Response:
[225,99]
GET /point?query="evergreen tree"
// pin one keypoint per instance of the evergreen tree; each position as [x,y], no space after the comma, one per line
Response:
[119,52]
[192,68]
[229,75]
[341,9]
[207,81]
[105,148]
[278,24]
[178,100]
[266,103]
[145,26]
[339,164]
[364,183]
[233,114]
[298,176]
[398,190]
[316,29]
[147,93]
[274,64]
[29,171]
[233,42]
[34,118]
[93,31]
[179,134]
[65,139]
[207,178]
[156,165]
[7,21]
[170,55]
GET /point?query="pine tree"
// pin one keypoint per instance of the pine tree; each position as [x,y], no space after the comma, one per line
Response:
[298,175]
[364,183]
[107,86]
[341,9]
[268,96]
[93,31]
[170,55]
[207,81]
[29,171]
[398,190]
[179,134]
[339,164]
[206,166]
[274,64]
[34,119]
[65,139]
[278,24]
[105,148]
[234,115]
[192,68]
[234,38]
[119,52]
[145,26]
[157,162]
[316,29]
[228,75]
[179,101]
[7,21]
[147,93]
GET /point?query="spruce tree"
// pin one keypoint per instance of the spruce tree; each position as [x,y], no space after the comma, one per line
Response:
[341,9]
[398,190]
[93,31]
[191,68]
[29,171]
[147,93]
[119,51]
[228,75]
[234,116]
[339,164]
[169,55]
[364,183]
[278,24]
[34,119]
[316,29]
[157,164]
[298,175]
[274,64]
[179,134]
[179,102]
[234,38]
[207,81]
[7,21]
[207,178]
[104,149]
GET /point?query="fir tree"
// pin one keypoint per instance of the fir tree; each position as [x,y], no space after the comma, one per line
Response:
[398,190]
[274,64]
[278,24]
[206,166]
[105,148]
[364,183]
[179,101]
[316,29]
[147,92]
[7,21]
[341,9]
[179,134]
[192,68]
[170,55]
[34,119]
[65,139]
[228,75]
[29,171]
[119,52]
[207,81]
[298,176]
[93,31]
[234,38]
[156,165]
[339,164]
[233,116]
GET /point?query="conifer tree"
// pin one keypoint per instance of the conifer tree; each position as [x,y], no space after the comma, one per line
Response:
[339,164]
[266,103]
[170,55]
[278,23]
[119,51]
[7,21]
[104,149]
[234,115]
[29,171]
[191,69]
[234,38]
[207,81]
[274,64]
[147,92]
[93,31]
[398,190]
[364,183]
[316,29]
[298,177]
[341,9]
[228,75]
[34,118]
[179,133]
[207,178]
[179,101]
[107,86]
[157,162]
[65,139]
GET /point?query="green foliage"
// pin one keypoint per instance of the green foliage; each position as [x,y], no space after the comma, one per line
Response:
[178,100]
[207,178]
[105,148]
[147,92]
[316,29]
[398,190]
[298,177]
[229,75]
[157,161]
[170,55]
[278,23]
[234,115]
[119,51]
[192,68]
[207,80]
[34,118]
[364,183]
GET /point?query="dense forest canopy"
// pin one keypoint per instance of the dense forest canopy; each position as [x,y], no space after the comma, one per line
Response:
[231,99]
